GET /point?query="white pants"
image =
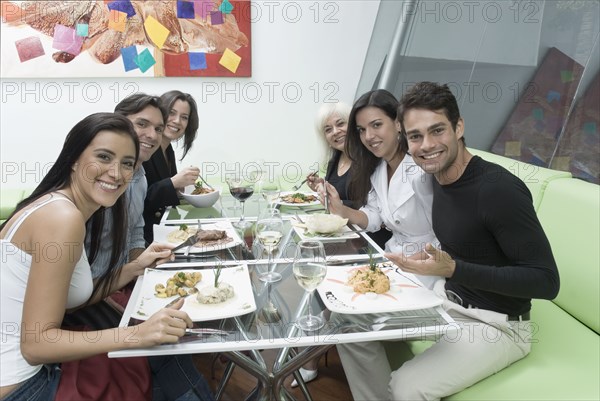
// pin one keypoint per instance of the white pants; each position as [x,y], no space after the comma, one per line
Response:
[485,344]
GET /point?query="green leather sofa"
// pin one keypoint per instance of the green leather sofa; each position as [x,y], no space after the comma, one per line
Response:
[564,363]
[9,197]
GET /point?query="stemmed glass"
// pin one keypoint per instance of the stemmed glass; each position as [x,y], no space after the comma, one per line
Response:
[270,189]
[230,177]
[269,231]
[241,189]
[309,269]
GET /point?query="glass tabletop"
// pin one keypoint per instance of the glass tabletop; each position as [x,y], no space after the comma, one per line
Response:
[280,304]
[269,318]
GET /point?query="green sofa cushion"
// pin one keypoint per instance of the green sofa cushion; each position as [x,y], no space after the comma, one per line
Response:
[570,216]
[9,197]
[564,363]
[536,178]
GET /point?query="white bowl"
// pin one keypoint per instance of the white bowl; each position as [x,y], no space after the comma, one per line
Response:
[324,223]
[204,200]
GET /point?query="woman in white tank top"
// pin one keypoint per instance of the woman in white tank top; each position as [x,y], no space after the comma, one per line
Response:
[44,268]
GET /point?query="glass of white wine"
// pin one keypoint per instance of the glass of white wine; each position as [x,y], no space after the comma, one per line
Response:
[310,267]
[270,189]
[269,231]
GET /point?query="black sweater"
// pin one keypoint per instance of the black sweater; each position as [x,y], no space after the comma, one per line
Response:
[486,222]
[161,192]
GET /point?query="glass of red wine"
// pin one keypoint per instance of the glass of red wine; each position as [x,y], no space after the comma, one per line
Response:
[241,189]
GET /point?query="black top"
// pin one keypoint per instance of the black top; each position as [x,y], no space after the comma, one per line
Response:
[161,192]
[486,222]
[339,182]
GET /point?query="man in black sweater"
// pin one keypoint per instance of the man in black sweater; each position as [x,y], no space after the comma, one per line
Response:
[494,256]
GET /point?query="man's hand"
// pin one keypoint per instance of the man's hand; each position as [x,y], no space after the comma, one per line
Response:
[429,262]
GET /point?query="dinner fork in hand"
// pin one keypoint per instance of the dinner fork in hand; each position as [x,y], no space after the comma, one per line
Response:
[297,187]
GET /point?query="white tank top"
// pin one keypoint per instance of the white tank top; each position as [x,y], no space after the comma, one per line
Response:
[14,273]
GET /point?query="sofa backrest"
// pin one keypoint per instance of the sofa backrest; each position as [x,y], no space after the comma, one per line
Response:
[9,197]
[570,214]
[536,178]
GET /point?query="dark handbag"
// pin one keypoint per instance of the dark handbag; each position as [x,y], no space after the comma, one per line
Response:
[102,378]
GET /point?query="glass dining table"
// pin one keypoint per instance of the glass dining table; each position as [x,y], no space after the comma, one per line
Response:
[265,314]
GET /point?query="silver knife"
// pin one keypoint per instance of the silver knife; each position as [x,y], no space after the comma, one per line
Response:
[206,332]
[326,197]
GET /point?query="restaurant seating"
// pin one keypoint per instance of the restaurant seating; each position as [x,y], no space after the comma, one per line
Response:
[565,355]
[564,360]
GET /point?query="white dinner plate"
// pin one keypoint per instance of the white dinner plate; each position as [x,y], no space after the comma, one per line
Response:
[404,294]
[242,302]
[279,200]
[161,233]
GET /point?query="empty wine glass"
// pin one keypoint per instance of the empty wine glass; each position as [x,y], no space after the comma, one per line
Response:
[257,176]
[241,189]
[269,231]
[309,268]
[270,189]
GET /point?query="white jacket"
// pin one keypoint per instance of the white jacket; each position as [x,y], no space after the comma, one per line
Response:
[404,207]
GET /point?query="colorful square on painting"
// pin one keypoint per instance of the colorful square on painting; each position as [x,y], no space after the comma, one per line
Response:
[185,9]
[123,6]
[29,48]
[145,60]
[129,55]
[67,40]
[197,61]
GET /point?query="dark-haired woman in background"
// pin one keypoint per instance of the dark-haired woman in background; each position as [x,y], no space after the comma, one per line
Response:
[164,181]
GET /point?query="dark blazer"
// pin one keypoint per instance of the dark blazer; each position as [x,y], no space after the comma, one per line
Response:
[161,192]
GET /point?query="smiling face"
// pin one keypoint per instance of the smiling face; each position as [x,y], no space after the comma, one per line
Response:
[149,126]
[105,167]
[435,146]
[177,121]
[378,132]
[335,132]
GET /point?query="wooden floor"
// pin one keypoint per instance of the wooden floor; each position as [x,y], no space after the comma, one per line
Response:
[330,385]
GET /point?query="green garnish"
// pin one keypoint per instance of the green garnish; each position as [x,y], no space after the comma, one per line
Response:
[217,271]
[372,263]
[183,227]
[299,196]
[198,184]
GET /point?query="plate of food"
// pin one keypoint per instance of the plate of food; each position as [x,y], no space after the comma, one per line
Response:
[373,288]
[212,236]
[231,296]
[298,199]
[323,227]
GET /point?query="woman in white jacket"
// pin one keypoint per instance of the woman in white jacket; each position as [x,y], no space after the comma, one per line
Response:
[392,189]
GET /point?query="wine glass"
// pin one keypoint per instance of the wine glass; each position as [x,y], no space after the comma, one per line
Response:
[230,177]
[270,189]
[309,268]
[241,189]
[257,176]
[269,231]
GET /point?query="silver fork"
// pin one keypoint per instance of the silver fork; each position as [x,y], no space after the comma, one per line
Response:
[187,250]
[297,187]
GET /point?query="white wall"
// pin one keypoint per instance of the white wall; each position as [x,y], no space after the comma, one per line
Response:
[304,53]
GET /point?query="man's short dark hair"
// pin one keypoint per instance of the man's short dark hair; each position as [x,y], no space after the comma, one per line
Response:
[137,102]
[429,96]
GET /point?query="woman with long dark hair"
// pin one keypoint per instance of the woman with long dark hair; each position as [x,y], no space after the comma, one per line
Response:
[384,178]
[44,268]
